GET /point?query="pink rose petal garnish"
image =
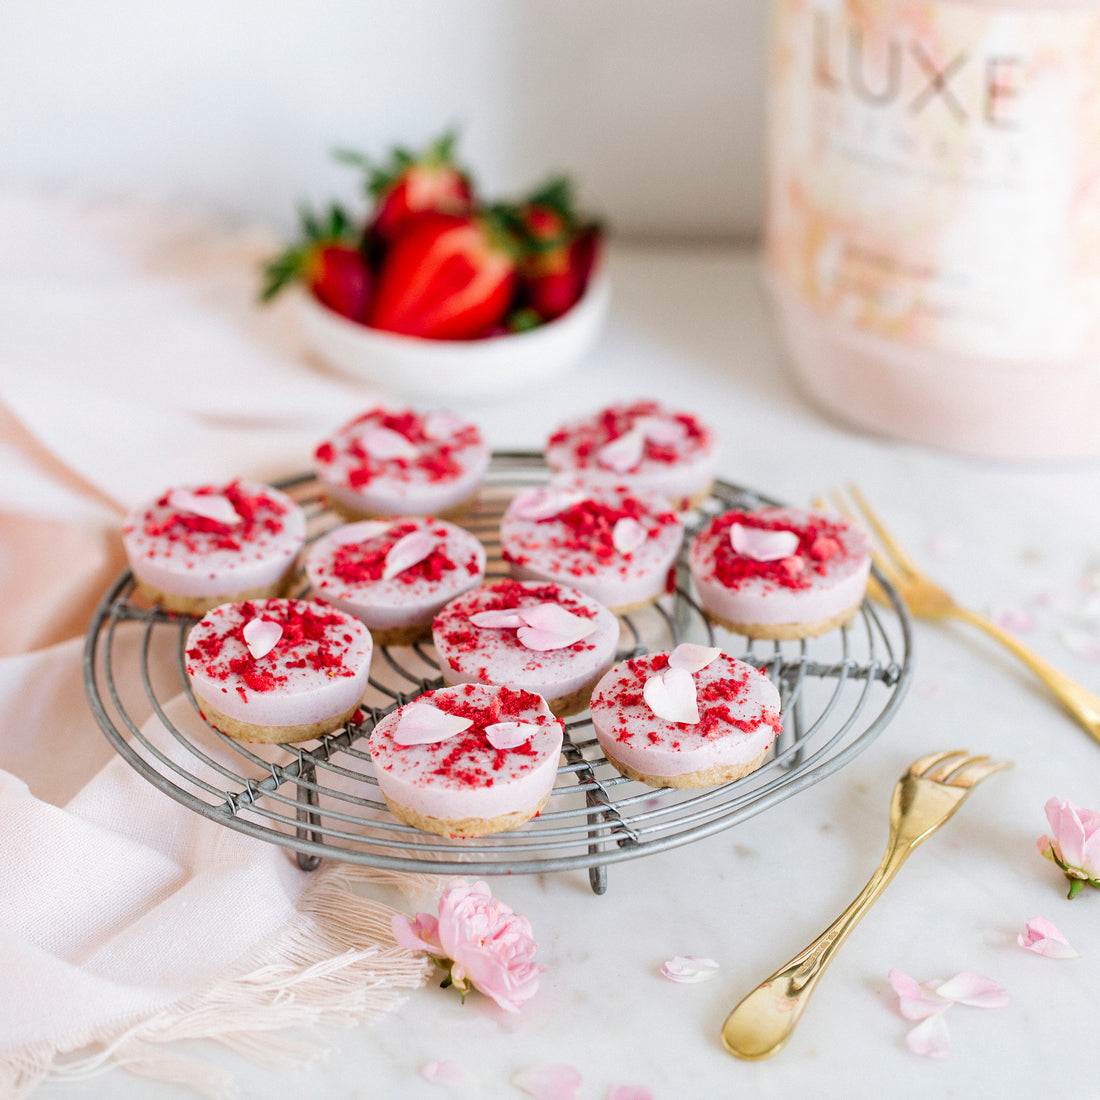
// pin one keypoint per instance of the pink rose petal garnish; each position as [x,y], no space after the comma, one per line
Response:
[973,989]
[363,531]
[660,429]
[423,724]
[761,545]
[556,1081]
[624,453]
[408,551]
[213,506]
[1043,938]
[445,1072]
[544,503]
[442,424]
[627,535]
[549,626]
[629,1092]
[385,443]
[691,657]
[261,636]
[670,694]
[497,620]
[930,1039]
[509,735]
[688,969]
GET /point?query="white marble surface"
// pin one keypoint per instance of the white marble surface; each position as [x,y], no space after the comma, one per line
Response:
[692,328]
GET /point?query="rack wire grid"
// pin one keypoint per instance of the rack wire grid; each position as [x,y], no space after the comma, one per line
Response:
[321,798]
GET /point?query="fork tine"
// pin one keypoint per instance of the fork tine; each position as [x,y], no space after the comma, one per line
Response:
[922,766]
[901,558]
[946,769]
[975,771]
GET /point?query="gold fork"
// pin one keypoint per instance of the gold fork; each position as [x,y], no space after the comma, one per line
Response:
[927,600]
[924,798]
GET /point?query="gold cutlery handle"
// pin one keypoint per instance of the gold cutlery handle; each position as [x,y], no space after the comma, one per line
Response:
[1082,704]
[765,1019]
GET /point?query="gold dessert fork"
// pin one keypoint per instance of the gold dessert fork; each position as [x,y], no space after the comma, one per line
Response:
[927,600]
[924,798]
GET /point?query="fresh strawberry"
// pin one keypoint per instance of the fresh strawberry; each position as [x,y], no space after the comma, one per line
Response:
[327,262]
[413,183]
[559,250]
[445,277]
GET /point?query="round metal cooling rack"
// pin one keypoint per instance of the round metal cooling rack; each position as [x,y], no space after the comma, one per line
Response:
[321,798]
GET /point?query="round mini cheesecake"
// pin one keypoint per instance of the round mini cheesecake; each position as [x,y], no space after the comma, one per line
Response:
[641,444]
[402,462]
[669,720]
[535,636]
[394,575]
[195,547]
[469,760]
[278,670]
[612,543]
[780,572]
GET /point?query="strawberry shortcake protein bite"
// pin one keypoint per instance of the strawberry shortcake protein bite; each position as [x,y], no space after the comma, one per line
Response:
[642,445]
[694,717]
[469,760]
[536,636]
[278,670]
[780,573]
[394,575]
[195,547]
[615,544]
[402,462]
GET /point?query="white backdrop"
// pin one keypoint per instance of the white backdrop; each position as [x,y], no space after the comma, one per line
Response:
[234,105]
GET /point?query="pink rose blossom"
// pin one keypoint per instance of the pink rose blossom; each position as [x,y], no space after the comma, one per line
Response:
[1042,938]
[480,940]
[1075,845]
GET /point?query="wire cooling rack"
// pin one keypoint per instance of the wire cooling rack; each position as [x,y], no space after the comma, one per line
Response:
[321,798]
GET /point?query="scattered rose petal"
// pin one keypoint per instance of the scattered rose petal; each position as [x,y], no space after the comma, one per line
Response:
[943,545]
[1013,618]
[423,724]
[408,551]
[624,453]
[351,533]
[261,636]
[385,443]
[660,429]
[556,1081]
[497,620]
[445,1072]
[629,1092]
[545,503]
[627,535]
[507,735]
[688,969]
[930,1038]
[1043,938]
[213,506]
[417,934]
[550,626]
[762,545]
[917,1000]
[691,657]
[670,694]
[1081,642]
[973,989]
[442,424]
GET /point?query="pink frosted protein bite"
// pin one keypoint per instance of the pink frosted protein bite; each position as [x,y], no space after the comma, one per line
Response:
[468,760]
[780,572]
[533,636]
[612,543]
[694,717]
[196,547]
[394,575]
[402,462]
[278,670]
[642,445]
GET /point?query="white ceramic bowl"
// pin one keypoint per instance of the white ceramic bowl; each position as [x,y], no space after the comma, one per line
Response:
[423,368]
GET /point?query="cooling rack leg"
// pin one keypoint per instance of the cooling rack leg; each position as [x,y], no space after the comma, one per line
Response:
[597,879]
[308,793]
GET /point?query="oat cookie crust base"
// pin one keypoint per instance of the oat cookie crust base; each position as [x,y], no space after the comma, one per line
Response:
[271,735]
[708,777]
[200,605]
[786,631]
[456,513]
[466,826]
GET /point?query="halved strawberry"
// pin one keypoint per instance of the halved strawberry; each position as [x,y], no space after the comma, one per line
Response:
[413,183]
[328,262]
[445,277]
